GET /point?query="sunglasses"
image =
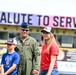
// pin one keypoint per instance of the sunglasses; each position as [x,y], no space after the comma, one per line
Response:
[9,44]
[24,30]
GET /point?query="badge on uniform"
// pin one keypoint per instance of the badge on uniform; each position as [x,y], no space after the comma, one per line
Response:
[26,43]
[18,42]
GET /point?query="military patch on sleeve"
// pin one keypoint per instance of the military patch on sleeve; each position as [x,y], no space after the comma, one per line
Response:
[18,42]
[26,43]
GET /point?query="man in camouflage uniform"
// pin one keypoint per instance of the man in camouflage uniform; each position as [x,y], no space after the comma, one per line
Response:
[28,49]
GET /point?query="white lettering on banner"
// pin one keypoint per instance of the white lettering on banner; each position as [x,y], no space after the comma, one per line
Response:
[67,66]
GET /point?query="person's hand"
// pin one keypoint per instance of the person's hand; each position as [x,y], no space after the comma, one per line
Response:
[4,74]
[47,74]
[35,71]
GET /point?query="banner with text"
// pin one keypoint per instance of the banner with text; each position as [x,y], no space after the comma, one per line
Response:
[12,18]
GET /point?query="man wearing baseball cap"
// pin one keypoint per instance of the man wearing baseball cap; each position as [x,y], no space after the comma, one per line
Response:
[10,59]
[28,49]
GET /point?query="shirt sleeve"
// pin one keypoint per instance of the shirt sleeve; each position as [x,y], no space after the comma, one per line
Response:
[16,59]
[54,49]
[36,58]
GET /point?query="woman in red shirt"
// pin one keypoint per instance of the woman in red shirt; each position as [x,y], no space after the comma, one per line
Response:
[50,51]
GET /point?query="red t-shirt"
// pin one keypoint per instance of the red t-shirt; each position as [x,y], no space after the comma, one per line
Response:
[45,57]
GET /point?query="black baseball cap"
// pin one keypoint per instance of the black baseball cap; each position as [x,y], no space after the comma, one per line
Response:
[24,25]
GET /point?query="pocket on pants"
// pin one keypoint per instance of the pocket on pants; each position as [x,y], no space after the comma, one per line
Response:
[19,69]
[55,71]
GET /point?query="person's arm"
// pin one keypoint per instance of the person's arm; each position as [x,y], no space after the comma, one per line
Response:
[10,69]
[36,58]
[53,59]
[54,53]
[1,69]
[2,64]
[15,63]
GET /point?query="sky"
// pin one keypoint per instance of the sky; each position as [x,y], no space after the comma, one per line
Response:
[41,7]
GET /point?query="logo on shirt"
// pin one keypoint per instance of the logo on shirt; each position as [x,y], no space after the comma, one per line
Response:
[26,43]
[8,60]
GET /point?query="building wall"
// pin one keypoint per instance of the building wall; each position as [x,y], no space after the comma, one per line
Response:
[35,32]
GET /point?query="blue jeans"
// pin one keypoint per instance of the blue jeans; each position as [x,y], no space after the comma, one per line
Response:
[54,72]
